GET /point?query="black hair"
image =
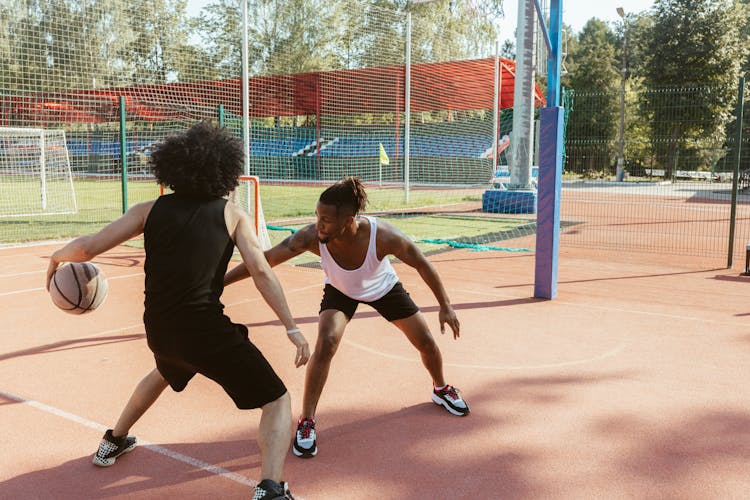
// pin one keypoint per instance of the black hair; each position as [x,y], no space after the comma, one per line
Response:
[205,161]
[348,193]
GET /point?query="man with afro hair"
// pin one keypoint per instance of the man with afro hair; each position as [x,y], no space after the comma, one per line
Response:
[189,237]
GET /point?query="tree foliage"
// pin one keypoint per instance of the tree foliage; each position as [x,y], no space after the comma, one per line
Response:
[592,68]
[694,44]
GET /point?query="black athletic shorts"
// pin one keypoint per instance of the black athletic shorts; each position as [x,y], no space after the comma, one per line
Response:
[222,353]
[396,304]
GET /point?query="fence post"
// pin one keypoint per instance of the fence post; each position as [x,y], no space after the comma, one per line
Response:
[736,170]
[407,109]
[222,118]
[123,156]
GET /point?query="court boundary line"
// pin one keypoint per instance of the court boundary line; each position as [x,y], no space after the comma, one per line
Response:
[71,417]
[608,354]
[28,290]
[617,309]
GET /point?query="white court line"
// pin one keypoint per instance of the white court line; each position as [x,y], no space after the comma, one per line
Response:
[198,464]
[608,354]
[27,290]
[213,469]
[20,274]
[18,292]
[618,309]
[286,292]
[616,350]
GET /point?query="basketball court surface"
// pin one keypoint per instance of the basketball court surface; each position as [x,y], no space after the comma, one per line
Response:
[631,384]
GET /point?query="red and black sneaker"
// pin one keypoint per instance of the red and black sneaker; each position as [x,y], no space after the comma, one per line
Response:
[305,443]
[451,399]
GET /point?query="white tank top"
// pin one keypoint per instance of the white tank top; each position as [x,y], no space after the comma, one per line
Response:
[370,281]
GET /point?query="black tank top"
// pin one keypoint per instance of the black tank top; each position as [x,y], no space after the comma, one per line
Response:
[187,252]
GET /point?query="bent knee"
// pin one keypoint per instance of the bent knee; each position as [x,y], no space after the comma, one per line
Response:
[327,345]
[283,400]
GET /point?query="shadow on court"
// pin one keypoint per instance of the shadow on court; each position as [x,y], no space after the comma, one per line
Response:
[142,473]
[423,452]
[364,311]
[633,277]
[66,345]
[670,452]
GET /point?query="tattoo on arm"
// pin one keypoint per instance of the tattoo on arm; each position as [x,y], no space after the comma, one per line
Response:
[287,243]
[297,242]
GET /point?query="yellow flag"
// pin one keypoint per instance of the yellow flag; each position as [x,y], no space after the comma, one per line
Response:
[383,156]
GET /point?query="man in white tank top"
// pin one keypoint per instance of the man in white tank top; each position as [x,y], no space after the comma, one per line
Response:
[353,250]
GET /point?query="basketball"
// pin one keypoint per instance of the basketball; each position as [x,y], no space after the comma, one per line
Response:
[78,287]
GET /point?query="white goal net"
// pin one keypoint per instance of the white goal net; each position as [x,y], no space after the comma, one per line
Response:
[35,174]
[247,196]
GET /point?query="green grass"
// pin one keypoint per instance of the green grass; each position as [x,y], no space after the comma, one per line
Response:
[100,202]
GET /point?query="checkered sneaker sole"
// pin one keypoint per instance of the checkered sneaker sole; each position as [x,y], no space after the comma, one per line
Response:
[111,447]
[271,490]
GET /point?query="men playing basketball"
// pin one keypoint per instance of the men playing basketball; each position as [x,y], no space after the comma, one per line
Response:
[353,251]
[189,237]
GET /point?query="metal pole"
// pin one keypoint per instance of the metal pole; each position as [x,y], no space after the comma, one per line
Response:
[407,107]
[522,145]
[496,107]
[123,156]
[620,173]
[554,62]
[245,99]
[222,118]
[43,168]
[245,91]
[736,176]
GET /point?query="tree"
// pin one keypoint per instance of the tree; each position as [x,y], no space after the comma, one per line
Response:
[693,45]
[283,37]
[159,37]
[593,75]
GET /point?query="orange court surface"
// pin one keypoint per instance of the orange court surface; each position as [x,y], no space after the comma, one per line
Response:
[631,384]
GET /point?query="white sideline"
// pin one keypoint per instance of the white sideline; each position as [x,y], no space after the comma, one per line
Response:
[198,464]
[41,288]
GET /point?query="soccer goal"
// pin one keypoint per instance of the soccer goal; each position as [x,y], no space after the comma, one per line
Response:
[35,174]
[247,196]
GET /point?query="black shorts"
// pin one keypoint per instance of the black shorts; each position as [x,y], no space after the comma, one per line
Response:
[396,304]
[223,354]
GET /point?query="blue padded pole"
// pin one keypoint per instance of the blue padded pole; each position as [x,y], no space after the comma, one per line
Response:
[548,202]
[550,167]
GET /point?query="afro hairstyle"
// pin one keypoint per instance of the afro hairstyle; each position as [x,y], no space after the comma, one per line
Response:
[203,162]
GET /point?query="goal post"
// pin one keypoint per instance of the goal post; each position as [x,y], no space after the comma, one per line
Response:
[247,196]
[35,174]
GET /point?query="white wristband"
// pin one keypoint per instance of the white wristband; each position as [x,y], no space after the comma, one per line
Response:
[292,331]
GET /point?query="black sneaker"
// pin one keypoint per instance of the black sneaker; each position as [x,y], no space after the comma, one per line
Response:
[271,490]
[451,399]
[305,442]
[112,447]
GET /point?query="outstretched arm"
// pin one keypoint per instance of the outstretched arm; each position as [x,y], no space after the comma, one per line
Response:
[292,246]
[265,279]
[394,242]
[85,248]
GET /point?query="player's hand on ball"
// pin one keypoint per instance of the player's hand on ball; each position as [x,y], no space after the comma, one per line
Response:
[53,265]
[303,349]
[448,315]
